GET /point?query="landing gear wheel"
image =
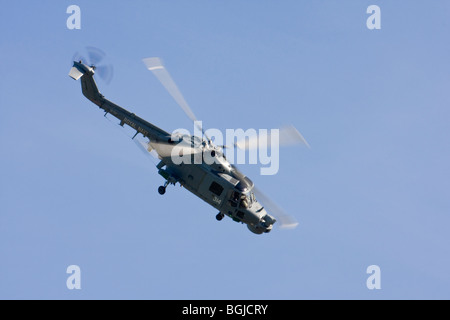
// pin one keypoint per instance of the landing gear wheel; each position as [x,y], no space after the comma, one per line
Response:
[219,216]
[162,190]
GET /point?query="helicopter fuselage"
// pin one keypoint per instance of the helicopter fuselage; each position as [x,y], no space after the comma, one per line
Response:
[215,181]
[222,186]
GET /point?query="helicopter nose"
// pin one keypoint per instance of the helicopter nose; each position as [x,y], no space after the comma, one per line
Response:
[264,224]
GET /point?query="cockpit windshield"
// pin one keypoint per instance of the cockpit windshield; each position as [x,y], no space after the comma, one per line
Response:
[245,184]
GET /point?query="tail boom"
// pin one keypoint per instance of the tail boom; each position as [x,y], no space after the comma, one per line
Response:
[90,91]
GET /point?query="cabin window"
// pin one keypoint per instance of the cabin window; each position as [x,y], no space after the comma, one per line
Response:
[216,188]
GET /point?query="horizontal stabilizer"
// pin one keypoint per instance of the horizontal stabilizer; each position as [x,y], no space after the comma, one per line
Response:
[75,73]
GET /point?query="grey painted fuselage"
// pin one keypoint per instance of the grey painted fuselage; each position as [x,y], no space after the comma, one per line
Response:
[218,183]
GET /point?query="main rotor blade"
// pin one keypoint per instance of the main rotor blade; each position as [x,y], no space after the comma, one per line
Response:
[156,66]
[286,221]
[144,147]
[165,150]
[288,135]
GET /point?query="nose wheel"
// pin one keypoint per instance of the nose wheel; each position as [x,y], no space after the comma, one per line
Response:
[219,216]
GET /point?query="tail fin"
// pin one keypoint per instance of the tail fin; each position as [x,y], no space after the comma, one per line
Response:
[88,85]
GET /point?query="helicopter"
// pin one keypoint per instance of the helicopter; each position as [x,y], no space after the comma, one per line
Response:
[218,182]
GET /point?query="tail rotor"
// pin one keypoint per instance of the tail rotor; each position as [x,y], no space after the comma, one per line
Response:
[96,59]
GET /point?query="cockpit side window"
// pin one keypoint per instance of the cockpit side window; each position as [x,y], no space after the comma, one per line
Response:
[244,202]
[235,196]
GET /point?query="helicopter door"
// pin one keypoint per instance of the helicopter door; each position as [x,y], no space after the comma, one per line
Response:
[217,193]
[193,178]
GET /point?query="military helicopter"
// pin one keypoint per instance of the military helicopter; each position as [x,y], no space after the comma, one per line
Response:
[218,182]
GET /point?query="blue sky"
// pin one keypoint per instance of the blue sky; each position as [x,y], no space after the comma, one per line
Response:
[373,188]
